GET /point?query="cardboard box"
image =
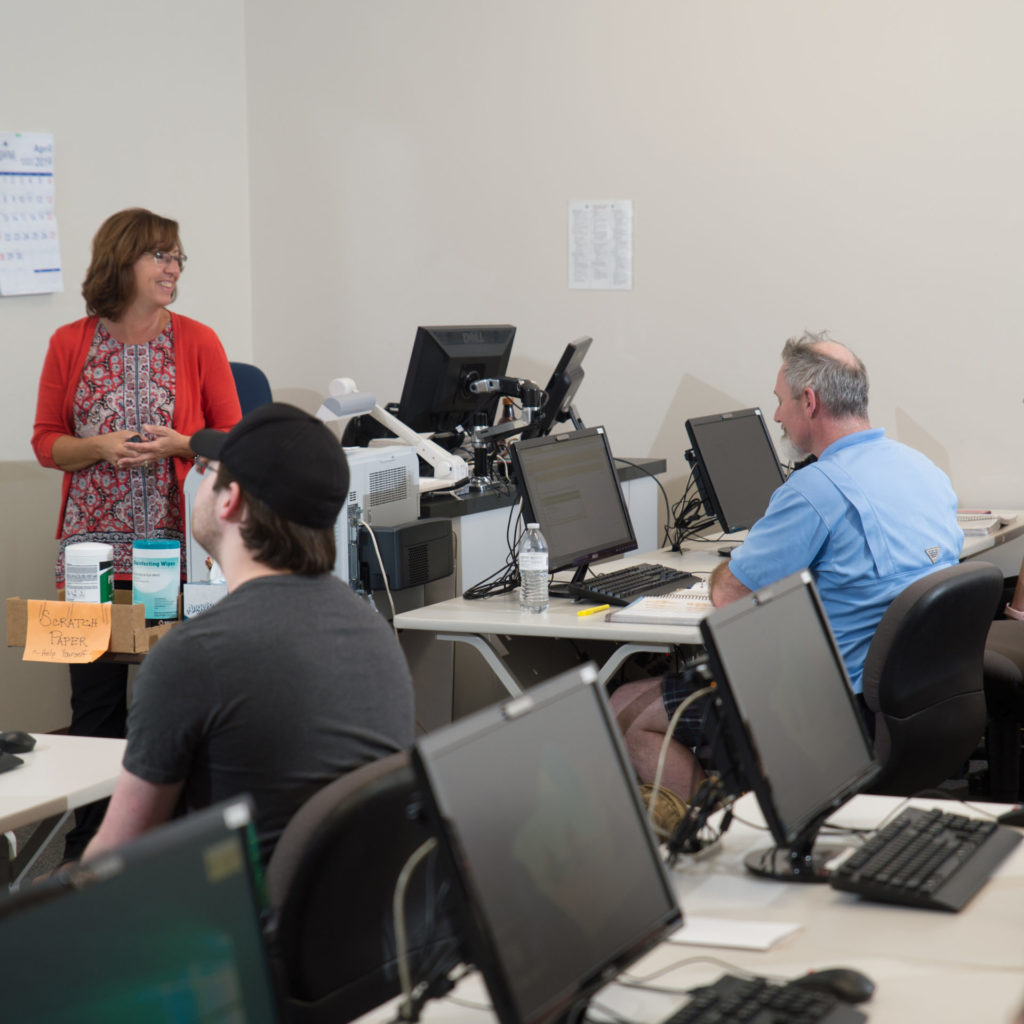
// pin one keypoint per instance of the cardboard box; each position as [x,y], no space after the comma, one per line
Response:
[129,633]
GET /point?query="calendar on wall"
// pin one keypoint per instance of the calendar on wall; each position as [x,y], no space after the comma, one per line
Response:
[29,245]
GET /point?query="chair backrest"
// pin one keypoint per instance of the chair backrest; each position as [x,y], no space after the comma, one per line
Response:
[923,676]
[330,886]
[252,386]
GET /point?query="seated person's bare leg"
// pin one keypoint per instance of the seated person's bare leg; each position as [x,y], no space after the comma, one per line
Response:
[646,733]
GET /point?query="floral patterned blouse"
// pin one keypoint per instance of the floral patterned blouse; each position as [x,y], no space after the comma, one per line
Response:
[123,387]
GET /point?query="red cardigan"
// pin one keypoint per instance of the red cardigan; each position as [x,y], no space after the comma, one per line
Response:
[205,394]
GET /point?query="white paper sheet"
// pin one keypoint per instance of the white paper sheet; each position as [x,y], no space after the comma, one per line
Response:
[601,244]
[732,934]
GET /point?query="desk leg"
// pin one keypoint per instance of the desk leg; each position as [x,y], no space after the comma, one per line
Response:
[625,651]
[509,681]
[13,868]
[490,655]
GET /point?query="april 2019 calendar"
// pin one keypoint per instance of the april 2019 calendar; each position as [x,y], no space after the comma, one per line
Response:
[29,246]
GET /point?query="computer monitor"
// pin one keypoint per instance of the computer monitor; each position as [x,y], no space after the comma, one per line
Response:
[734,465]
[165,928]
[788,718]
[559,882]
[568,485]
[561,390]
[444,362]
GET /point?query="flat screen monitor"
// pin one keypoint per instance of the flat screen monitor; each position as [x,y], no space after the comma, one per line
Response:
[444,362]
[558,876]
[735,466]
[568,485]
[166,928]
[561,390]
[789,719]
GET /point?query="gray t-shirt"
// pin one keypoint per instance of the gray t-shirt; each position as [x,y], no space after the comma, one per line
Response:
[282,686]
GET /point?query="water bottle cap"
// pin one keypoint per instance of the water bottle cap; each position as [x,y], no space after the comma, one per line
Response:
[533,526]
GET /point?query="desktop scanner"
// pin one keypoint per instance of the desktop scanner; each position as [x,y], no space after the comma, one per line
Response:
[16,742]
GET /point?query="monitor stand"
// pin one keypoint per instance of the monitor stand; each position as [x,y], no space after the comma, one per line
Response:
[803,862]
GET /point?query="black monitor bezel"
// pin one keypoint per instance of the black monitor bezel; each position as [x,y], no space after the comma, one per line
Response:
[431,401]
[705,480]
[740,731]
[224,832]
[481,946]
[561,389]
[578,557]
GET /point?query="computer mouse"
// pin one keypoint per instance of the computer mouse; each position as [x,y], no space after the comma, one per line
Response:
[844,983]
[16,742]
[1014,816]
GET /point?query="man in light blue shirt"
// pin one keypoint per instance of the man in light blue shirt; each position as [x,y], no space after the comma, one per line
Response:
[868,518]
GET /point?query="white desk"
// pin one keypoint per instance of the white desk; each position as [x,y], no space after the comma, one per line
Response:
[59,774]
[975,545]
[927,966]
[482,623]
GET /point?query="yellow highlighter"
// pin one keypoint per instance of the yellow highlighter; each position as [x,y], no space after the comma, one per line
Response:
[594,610]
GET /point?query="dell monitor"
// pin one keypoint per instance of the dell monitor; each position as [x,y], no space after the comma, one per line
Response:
[568,485]
[789,721]
[561,390]
[558,879]
[444,362]
[734,465]
[164,928]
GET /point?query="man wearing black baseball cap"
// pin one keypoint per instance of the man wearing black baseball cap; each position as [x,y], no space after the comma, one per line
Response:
[291,679]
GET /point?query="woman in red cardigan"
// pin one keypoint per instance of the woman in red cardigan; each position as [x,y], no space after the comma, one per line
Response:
[121,393]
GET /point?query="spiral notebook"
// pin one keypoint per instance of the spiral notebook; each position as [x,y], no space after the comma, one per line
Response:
[679,608]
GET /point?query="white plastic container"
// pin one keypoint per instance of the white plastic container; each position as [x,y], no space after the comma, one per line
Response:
[533,570]
[89,572]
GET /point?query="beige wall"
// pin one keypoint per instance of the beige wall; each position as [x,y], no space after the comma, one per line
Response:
[345,170]
[147,107]
[798,163]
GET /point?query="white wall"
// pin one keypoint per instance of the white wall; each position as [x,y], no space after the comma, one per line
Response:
[798,163]
[147,107]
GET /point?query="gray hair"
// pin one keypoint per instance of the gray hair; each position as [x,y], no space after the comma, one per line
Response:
[841,387]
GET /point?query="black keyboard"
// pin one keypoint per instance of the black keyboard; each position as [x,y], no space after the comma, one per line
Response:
[9,761]
[644,580]
[759,1001]
[926,859]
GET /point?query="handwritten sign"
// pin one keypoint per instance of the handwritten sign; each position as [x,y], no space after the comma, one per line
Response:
[66,631]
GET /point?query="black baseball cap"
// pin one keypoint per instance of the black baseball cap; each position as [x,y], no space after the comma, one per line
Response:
[286,458]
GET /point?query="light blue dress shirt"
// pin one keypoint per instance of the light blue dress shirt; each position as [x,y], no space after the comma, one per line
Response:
[869,518]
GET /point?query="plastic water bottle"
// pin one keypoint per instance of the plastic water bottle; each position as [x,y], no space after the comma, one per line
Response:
[533,570]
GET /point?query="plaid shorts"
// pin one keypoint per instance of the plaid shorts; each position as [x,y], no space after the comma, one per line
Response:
[689,730]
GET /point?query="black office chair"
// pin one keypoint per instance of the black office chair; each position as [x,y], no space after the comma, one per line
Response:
[923,676]
[330,886]
[252,386]
[1004,696]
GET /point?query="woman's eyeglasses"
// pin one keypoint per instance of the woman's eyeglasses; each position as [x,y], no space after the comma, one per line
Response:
[165,259]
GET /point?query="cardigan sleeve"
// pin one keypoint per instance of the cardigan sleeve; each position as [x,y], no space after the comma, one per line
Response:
[57,381]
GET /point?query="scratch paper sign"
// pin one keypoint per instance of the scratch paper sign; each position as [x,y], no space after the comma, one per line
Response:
[66,631]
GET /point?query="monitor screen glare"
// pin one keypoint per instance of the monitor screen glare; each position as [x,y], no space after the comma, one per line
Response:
[790,721]
[736,466]
[568,486]
[559,877]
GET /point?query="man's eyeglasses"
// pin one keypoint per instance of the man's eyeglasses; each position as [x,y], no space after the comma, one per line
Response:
[165,259]
[203,464]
